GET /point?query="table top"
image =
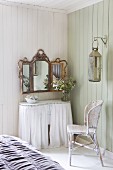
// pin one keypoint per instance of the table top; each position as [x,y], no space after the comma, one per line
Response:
[42,102]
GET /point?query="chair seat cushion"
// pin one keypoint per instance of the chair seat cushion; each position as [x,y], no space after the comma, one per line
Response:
[76,129]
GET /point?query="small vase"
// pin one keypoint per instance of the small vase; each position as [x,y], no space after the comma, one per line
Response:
[65,96]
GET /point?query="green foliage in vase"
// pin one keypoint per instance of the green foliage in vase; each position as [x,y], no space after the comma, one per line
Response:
[66,85]
[46,83]
[26,82]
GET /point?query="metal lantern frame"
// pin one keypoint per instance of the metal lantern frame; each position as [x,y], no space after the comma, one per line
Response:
[94,68]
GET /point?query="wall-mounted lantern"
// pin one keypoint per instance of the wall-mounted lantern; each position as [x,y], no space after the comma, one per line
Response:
[94,65]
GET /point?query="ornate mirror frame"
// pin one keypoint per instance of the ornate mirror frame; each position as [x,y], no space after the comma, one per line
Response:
[39,56]
[56,69]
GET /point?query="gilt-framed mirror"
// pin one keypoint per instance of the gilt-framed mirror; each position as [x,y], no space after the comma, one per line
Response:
[34,74]
[39,74]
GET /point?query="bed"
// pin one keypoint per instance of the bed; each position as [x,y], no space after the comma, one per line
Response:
[16,154]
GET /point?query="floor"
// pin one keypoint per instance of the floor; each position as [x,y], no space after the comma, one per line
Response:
[83,159]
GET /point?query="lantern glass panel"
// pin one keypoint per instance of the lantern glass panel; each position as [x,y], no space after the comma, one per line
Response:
[94,69]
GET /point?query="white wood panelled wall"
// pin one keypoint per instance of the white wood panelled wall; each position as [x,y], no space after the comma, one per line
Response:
[23,31]
[83,25]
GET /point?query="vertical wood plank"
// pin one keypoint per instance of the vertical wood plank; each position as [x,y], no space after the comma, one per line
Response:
[29,28]
[94,34]
[75,65]
[6,53]
[59,31]
[111,53]
[35,30]
[25,33]
[43,38]
[110,80]
[1,56]
[8,72]
[100,49]
[104,76]
[85,59]
[90,39]
[20,53]
[72,44]
[15,79]
[81,64]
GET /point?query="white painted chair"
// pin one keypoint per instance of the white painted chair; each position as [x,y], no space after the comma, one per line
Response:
[89,129]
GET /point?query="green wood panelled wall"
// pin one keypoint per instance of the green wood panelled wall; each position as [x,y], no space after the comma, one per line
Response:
[83,25]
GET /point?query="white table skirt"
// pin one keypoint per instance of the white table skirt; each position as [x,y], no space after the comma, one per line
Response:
[34,120]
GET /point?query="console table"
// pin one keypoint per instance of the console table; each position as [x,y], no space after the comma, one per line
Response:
[45,123]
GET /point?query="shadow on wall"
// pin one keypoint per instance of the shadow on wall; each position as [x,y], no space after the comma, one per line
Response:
[108,112]
[109,66]
[75,103]
[109,95]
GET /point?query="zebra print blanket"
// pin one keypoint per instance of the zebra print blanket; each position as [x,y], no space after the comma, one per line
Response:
[16,154]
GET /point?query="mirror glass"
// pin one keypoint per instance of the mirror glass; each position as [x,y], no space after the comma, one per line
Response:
[55,74]
[26,78]
[40,75]
[58,71]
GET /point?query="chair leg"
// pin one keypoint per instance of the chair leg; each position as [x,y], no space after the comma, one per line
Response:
[98,148]
[70,147]
[101,159]
[103,154]
[69,156]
